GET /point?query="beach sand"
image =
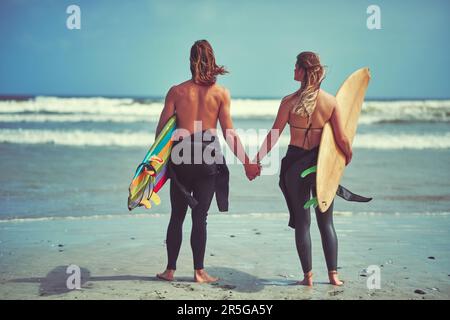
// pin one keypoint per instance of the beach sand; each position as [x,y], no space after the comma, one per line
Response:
[253,254]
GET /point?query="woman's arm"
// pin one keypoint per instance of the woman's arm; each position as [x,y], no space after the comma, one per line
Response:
[277,128]
[338,131]
[167,111]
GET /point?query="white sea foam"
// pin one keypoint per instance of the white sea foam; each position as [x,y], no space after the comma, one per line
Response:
[250,139]
[76,137]
[92,217]
[402,141]
[70,110]
[76,106]
[81,117]
[254,215]
[405,111]
[52,109]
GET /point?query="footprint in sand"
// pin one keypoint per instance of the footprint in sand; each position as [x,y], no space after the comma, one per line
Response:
[159,295]
[186,287]
[227,287]
[335,292]
[224,286]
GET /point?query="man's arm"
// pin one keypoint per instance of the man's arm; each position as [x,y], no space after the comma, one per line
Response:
[230,135]
[234,142]
[167,111]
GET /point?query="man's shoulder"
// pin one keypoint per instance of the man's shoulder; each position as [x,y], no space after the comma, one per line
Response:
[221,89]
[179,86]
[178,89]
[221,92]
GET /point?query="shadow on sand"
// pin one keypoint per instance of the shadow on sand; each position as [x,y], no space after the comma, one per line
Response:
[54,283]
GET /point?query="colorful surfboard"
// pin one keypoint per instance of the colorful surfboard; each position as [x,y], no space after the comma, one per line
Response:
[146,183]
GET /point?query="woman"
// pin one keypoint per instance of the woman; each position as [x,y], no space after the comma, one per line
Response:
[306,111]
[199,104]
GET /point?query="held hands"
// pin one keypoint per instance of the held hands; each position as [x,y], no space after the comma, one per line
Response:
[252,170]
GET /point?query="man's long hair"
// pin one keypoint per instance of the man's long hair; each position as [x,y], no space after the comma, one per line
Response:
[203,64]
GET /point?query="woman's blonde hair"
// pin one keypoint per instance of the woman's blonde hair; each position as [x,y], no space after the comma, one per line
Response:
[304,105]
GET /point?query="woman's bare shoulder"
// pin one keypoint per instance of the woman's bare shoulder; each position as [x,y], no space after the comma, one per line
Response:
[327,100]
[289,96]
[327,97]
[287,100]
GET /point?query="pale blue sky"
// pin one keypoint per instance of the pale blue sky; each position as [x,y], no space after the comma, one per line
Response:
[141,48]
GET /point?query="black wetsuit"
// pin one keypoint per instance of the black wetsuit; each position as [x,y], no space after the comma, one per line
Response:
[296,191]
[194,185]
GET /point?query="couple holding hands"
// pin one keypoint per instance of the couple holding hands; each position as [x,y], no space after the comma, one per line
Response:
[194,185]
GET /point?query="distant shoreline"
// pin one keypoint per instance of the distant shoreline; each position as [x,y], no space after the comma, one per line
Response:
[15,97]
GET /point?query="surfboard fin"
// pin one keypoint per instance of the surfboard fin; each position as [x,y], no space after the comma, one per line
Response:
[155,198]
[308,171]
[146,203]
[346,194]
[311,203]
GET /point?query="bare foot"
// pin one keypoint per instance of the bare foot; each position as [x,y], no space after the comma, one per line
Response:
[307,280]
[201,276]
[334,280]
[166,275]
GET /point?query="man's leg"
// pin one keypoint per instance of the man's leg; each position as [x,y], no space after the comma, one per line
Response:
[174,230]
[203,191]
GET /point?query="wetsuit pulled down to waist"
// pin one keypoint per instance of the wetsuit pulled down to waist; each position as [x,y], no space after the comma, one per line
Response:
[195,158]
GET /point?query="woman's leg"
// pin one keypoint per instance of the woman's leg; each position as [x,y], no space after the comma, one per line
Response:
[328,235]
[329,240]
[299,193]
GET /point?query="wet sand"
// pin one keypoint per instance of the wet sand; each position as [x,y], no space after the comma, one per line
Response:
[253,254]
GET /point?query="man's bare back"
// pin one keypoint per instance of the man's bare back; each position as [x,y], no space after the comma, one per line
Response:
[195,102]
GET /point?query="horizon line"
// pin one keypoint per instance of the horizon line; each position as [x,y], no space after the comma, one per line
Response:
[19,97]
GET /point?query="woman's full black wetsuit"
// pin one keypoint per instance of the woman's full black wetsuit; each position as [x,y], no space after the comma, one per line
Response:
[297,192]
[194,185]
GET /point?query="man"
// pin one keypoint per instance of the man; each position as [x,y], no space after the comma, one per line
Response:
[199,102]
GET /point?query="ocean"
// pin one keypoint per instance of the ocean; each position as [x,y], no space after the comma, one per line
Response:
[75,157]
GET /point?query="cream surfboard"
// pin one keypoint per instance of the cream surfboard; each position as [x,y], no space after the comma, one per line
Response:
[331,161]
